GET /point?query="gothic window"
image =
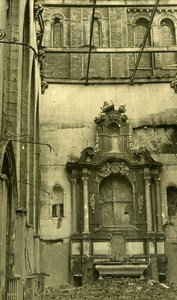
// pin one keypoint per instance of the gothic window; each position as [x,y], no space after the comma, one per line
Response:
[57,202]
[58,32]
[97,32]
[167,38]
[172,201]
[140,29]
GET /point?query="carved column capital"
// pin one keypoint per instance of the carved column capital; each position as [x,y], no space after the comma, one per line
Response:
[85,179]
[157,181]
[73,181]
[147,180]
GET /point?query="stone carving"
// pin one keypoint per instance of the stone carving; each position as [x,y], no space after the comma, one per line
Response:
[92,202]
[96,148]
[2,34]
[135,150]
[97,228]
[38,9]
[134,177]
[106,105]
[147,181]
[122,108]
[173,84]
[140,203]
[113,168]
[108,111]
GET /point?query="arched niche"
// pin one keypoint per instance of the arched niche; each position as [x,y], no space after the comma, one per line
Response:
[172,202]
[116,198]
[113,137]
[8,203]
[57,201]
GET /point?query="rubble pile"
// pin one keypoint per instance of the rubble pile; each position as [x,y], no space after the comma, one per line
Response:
[114,289]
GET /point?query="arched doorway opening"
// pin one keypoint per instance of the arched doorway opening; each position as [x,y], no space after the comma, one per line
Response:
[8,197]
[116,196]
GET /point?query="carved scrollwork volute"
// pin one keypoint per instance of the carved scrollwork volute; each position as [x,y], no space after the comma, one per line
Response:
[92,202]
[113,168]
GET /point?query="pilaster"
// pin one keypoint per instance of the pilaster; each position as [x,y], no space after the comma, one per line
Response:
[158,201]
[148,204]
[74,205]
[85,205]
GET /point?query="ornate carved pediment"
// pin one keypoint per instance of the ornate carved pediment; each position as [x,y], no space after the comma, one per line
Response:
[114,142]
[108,113]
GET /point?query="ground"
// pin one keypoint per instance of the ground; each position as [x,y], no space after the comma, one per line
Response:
[115,289]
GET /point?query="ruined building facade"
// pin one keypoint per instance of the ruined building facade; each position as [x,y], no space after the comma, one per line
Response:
[21,30]
[109,187]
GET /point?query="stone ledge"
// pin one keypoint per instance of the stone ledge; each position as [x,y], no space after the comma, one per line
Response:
[121,269]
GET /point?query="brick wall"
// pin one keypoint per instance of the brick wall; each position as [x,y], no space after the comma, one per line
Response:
[117,27]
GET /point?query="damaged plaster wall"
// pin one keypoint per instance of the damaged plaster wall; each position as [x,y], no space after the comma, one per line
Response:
[57,253]
[67,124]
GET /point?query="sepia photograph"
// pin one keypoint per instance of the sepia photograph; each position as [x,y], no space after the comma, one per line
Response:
[88,149]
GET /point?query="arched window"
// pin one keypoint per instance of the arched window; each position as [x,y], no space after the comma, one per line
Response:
[141,26]
[167,38]
[58,32]
[97,32]
[57,202]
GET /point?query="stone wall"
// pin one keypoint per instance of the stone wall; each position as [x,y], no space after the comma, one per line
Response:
[19,100]
[67,124]
[116,29]
[68,110]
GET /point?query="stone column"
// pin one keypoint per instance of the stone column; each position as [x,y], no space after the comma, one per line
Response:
[85,205]
[20,249]
[158,201]
[37,253]
[3,216]
[74,205]
[148,204]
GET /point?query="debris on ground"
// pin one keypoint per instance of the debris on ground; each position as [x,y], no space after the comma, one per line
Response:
[115,289]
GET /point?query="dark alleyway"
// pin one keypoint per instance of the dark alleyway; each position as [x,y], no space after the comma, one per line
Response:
[114,289]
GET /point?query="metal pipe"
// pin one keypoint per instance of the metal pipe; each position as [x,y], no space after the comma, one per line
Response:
[122,50]
[144,41]
[21,44]
[90,44]
[115,4]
